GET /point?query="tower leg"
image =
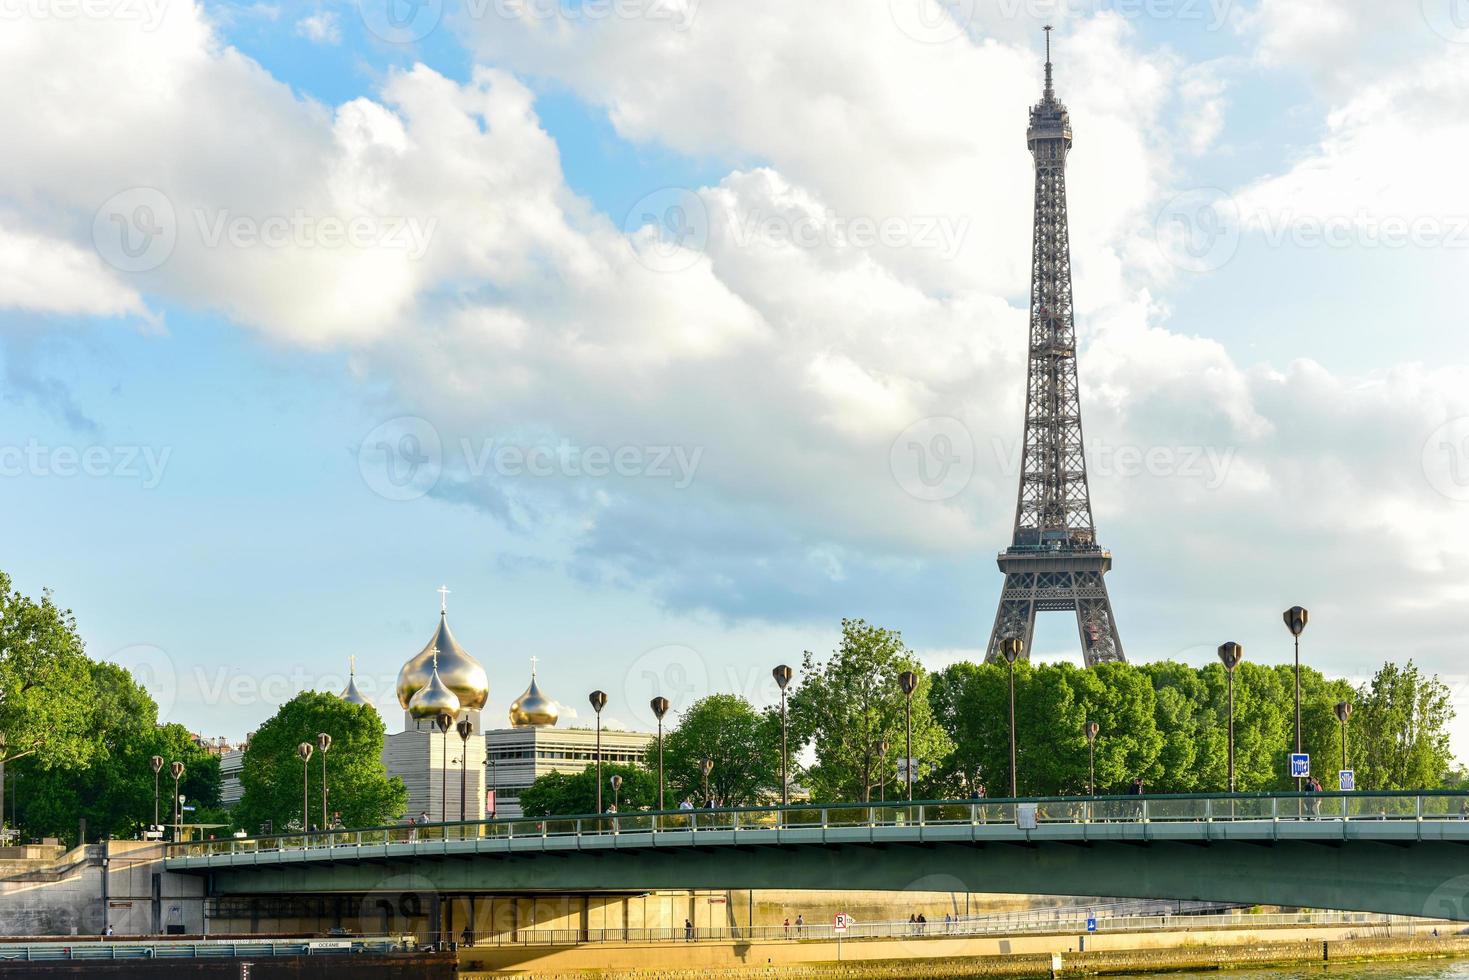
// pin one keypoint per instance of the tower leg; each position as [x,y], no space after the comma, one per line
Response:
[1016,614]
[1100,642]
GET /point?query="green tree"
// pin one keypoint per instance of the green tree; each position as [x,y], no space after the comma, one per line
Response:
[562,794]
[358,784]
[847,706]
[743,744]
[1400,730]
[47,700]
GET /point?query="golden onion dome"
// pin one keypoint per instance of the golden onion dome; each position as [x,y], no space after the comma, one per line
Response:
[533,709]
[433,699]
[460,672]
[352,695]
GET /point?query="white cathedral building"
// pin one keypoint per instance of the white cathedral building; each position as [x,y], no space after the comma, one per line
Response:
[444,743]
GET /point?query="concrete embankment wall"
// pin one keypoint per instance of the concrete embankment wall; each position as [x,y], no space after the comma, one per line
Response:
[960,957]
[65,896]
[423,966]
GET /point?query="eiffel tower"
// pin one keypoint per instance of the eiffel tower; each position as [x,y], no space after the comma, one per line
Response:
[1054,561]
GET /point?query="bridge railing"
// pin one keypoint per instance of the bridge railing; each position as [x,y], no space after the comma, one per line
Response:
[753,821]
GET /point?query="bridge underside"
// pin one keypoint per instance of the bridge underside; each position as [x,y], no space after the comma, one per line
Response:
[1418,878]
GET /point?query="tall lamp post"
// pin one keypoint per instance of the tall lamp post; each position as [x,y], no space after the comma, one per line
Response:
[1011,648]
[908,681]
[1092,729]
[660,708]
[323,742]
[1295,621]
[882,770]
[1344,712]
[176,770]
[444,721]
[465,728]
[1230,654]
[157,763]
[616,790]
[304,750]
[598,700]
[782,675]
[706,767]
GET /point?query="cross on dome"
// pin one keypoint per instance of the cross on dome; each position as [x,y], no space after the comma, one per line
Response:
[443,592]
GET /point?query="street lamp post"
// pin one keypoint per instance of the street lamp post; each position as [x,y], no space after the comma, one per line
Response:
[157,763]
[1230,654]
[304,750]
[616,789]
[599,701]
[882,770]
[908,682]
[1091,729]
[1295,621]
[176,769]
[660,708]
[444,721]
[1344,712]
[323,742]
[465,728]
[1010,648]
[782,675]
[706,768]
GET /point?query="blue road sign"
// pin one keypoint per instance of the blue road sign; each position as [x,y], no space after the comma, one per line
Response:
[1091,924]
[1300,765]
[1346,780]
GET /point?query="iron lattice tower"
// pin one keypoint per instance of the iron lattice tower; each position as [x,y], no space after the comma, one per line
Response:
[1053,562]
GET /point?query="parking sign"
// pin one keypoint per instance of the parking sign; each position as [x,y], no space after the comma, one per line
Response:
[1300,765]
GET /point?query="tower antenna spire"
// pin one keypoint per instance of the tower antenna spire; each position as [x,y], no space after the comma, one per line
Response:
[1050,89]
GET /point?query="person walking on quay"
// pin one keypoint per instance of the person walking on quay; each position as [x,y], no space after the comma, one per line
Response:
[800,925]
[788,927]
[913,923]
[922,924]
[688,930]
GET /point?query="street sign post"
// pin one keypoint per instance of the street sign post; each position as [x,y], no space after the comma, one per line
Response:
[1300,765]
[1091,923]
[1346,780]
[840,921]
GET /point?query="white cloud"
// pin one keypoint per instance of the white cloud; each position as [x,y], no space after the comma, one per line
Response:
[47,275]
[322,27]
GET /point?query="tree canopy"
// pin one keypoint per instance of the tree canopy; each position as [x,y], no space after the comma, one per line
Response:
[743,744]
[357,783]
[575,794]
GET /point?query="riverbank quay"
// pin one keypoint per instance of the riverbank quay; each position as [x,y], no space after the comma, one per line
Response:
[928,956]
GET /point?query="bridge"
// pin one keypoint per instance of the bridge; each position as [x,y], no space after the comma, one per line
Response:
[1397,853]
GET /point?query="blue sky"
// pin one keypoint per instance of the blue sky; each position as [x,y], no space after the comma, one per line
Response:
[1303,403]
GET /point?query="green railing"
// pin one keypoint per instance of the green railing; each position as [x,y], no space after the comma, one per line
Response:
[790,821]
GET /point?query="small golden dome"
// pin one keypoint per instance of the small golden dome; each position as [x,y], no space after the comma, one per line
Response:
[433,699]
[460,672]
[533,709]
[352,695]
